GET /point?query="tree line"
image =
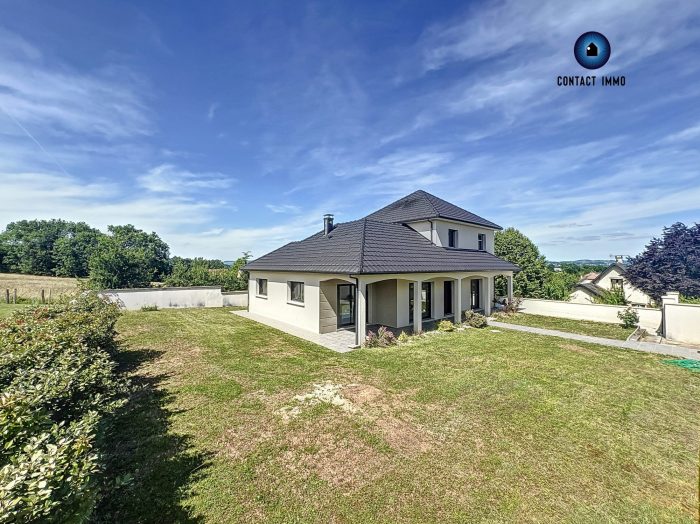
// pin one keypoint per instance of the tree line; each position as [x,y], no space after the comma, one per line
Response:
[668,263]
[123,257]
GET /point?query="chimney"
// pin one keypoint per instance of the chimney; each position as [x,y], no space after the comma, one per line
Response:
[327,224]
[618,259]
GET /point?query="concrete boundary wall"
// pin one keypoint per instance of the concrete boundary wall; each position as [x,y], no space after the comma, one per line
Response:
[235,298]
[649,318]
[174,297]
[682,322]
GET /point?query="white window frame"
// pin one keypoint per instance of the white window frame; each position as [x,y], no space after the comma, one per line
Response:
[481,241]
[258,293]
[289,293]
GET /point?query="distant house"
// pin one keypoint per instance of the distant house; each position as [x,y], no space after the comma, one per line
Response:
[415,261]
[593,285]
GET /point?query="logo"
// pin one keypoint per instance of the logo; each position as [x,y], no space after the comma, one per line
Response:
[592,50]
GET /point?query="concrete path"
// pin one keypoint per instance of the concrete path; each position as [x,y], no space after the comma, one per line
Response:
[341,341]
[647,347]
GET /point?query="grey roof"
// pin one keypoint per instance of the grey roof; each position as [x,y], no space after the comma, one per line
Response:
[591,288]
[420,205]
[370,246]
[618,265]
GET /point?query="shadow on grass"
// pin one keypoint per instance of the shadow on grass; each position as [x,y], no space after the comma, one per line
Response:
[149,470]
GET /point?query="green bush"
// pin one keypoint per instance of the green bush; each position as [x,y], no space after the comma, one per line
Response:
[58,382]
[614,297]
[149,308]
[445,325]
[403,338]
[629,317]
[475,319]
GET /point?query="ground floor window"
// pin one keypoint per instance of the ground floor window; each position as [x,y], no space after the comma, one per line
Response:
[426,300]
[296,292]
[346,304]
[262,287]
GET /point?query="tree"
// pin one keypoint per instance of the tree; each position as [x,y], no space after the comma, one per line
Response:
[29,244]
[128,257]
[72,252]
[670,263]
[559,284]
[515,247]
[203,272]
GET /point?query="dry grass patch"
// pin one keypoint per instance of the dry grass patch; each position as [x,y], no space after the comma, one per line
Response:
[29,286]
[330,448]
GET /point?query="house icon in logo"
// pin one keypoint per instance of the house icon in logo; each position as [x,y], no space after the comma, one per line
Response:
[592,50]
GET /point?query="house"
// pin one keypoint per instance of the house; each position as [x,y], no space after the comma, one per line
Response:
[593,285]
[415,261]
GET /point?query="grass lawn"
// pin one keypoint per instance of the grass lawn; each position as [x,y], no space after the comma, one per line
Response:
[7,309]
[460,427]
[582,327]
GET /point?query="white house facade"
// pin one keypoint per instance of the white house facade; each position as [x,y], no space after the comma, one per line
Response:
[415,261]
[611,279]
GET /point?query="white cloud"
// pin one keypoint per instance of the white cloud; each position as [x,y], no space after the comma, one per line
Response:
[167,178]
[51,95]
[213,108]
[283,208]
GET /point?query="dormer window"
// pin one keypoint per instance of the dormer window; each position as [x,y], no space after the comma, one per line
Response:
[482,242]
[452,237]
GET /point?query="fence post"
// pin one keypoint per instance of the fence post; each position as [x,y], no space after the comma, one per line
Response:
[7,296]
[14,296]
[43,301]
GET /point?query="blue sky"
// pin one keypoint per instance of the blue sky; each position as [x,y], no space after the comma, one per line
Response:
[232,126]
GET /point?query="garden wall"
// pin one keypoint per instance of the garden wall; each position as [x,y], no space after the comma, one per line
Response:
[175,297]
[235,298]
[682,322]
[649,318]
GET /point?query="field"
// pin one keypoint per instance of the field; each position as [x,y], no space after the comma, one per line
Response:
[581,327]
[232,421]
[29,286]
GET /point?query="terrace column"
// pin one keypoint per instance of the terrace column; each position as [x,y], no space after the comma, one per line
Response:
[509,279]
[417,309]
[488,295]
[458,300]
[361,312]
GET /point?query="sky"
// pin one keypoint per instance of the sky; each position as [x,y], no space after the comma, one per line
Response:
[234,126]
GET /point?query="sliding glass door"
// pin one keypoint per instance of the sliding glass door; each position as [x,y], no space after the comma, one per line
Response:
[426,300]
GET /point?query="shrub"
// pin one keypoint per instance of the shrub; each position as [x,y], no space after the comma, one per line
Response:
[58,382]
[475,319]
[614,297]
[512,306]
[445,325]
[629,317]
[403,338]
[383,338]
[149,308]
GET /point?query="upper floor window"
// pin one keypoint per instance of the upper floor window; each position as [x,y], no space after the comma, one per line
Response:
[452,237]
[296,292]
[482,242]
[262,287]
[616,284]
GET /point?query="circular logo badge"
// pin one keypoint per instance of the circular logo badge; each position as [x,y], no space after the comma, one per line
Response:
[592,50]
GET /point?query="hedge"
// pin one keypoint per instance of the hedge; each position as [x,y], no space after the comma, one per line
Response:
[58,383]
